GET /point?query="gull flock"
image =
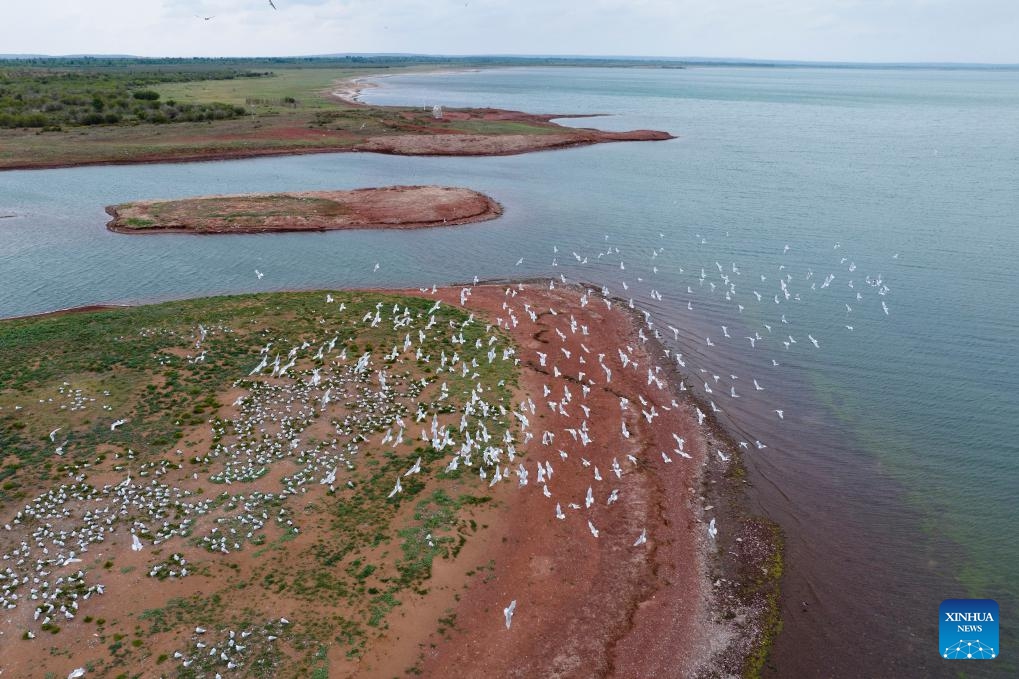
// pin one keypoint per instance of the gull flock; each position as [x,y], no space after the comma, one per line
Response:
[368,401]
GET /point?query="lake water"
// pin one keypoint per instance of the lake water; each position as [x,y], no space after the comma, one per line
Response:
[894,469]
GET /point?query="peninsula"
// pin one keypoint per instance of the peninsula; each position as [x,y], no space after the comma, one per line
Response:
[152,110]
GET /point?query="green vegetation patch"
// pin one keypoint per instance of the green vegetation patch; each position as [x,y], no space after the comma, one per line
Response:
[45,98]
[207,421]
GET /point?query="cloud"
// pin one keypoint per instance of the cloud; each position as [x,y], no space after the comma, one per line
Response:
[847,30]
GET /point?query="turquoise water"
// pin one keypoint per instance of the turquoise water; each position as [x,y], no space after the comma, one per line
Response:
[894,469]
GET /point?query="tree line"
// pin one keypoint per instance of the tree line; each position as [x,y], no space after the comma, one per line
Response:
[51,99]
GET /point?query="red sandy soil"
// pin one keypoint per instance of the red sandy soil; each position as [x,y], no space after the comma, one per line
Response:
[586,607]
[497,145]
[393,207]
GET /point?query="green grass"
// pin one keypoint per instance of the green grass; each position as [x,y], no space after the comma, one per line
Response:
[33,98]
[359,554]
[261,206]
[305,85]
[500,127]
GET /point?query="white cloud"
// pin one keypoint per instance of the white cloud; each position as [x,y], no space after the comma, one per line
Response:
[851,30]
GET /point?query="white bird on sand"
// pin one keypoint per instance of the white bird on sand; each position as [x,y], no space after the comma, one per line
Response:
[136,544]
[508,613]
[53,434]
[642,539]
[77,674]
[712,531]
[594,531]
[757,386]
[781,415]
[113,427]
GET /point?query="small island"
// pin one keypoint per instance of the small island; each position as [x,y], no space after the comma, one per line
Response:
[390,207]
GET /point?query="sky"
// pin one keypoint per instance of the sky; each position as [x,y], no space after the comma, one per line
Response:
[975,31]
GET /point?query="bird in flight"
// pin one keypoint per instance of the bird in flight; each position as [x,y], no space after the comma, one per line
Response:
[271,4]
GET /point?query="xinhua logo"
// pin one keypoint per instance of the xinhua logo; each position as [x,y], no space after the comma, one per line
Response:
[968,629]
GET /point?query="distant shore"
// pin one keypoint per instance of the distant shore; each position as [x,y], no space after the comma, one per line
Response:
[391,207]
[349,91]
[349,126]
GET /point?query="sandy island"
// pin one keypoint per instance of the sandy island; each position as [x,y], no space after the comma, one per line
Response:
[391,207]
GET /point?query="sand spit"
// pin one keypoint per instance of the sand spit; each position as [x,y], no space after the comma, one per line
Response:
[392,207]
[440,141]
[499,145]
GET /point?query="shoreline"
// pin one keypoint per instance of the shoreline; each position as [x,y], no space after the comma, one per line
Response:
[388,207]
[715,587]
[350,88]
[72,310]
[420,136]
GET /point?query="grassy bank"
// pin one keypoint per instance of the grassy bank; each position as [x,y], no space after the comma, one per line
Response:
[262,498]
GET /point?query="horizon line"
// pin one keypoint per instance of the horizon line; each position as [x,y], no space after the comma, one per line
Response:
[617,57]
